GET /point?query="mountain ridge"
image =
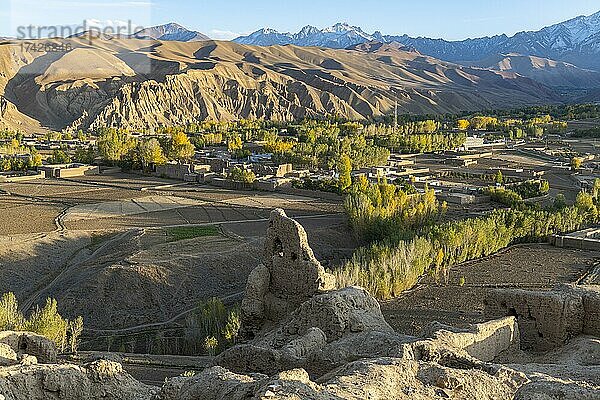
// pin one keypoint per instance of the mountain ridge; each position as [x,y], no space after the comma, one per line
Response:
[576,41]
[121,83]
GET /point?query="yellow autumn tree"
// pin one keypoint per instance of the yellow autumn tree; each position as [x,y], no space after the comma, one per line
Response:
[463,124]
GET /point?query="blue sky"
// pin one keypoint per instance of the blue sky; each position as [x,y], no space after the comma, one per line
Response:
[447,19]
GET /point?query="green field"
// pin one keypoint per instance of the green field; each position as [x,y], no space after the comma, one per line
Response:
[191,232]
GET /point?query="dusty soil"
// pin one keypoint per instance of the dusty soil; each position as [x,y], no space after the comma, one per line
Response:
[102,241]
[528,267]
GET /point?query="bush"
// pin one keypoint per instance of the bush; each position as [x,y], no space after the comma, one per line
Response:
[504,196]
[45,321]
[211,328]
[238,174]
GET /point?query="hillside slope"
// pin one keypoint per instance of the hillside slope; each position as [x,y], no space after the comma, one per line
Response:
[142,84]
[548,72]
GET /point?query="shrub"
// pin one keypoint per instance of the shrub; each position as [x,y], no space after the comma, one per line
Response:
[45,321]
[211,320]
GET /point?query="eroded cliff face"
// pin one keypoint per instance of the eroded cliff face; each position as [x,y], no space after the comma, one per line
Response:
[144,84]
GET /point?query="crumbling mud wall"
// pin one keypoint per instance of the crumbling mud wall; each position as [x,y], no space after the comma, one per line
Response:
[290,276]
[548,319]
[483,341]
[26,343]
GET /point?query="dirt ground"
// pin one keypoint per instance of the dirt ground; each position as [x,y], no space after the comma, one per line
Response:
[538,267]
[102,241]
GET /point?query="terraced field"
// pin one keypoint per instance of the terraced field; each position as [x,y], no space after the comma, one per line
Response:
[108,241]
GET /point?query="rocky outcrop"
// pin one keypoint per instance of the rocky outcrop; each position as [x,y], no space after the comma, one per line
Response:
[292,320]
[98,380]
[213,383]
[548,319]
[23,343]
[291,275]
[377,379]
[306,340]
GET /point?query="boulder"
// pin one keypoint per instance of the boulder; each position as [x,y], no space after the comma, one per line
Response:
[213,383]
[101,379]
[30,343]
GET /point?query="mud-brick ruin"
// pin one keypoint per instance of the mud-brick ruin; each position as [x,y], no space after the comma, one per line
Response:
[304,339]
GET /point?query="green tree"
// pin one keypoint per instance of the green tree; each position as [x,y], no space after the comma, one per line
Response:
[181,149]
[560,202]
[59,157]
[150,152]
[85,156]
[239,174]
[10,317]
[113,145]
[235,143]
[576,163]
[344,170]
[75,330]
[499,179]
[211,345]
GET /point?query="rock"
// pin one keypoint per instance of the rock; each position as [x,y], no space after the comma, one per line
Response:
[26,359]
[380,378]
[30,343]
[7,355]
[101,379]
[301,339]
[213,383]
[313,341]
[291,275]
[555,389]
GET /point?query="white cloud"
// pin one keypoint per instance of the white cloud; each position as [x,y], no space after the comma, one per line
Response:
[223,35]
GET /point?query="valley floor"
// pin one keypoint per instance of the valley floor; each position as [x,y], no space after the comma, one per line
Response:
[109,240]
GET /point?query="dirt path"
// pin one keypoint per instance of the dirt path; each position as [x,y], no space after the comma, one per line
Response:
[28,303]
[136,329]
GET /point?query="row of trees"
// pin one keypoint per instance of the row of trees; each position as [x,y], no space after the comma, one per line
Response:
[45,321]
[117,147]
[15,157]
[422,143]
[384,211]
[323,145]
[392,264]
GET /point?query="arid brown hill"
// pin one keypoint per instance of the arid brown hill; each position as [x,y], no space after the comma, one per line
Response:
[142,84]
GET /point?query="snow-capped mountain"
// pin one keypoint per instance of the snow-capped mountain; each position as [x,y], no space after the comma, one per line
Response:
[576,41]
[170,32]
[338,36]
